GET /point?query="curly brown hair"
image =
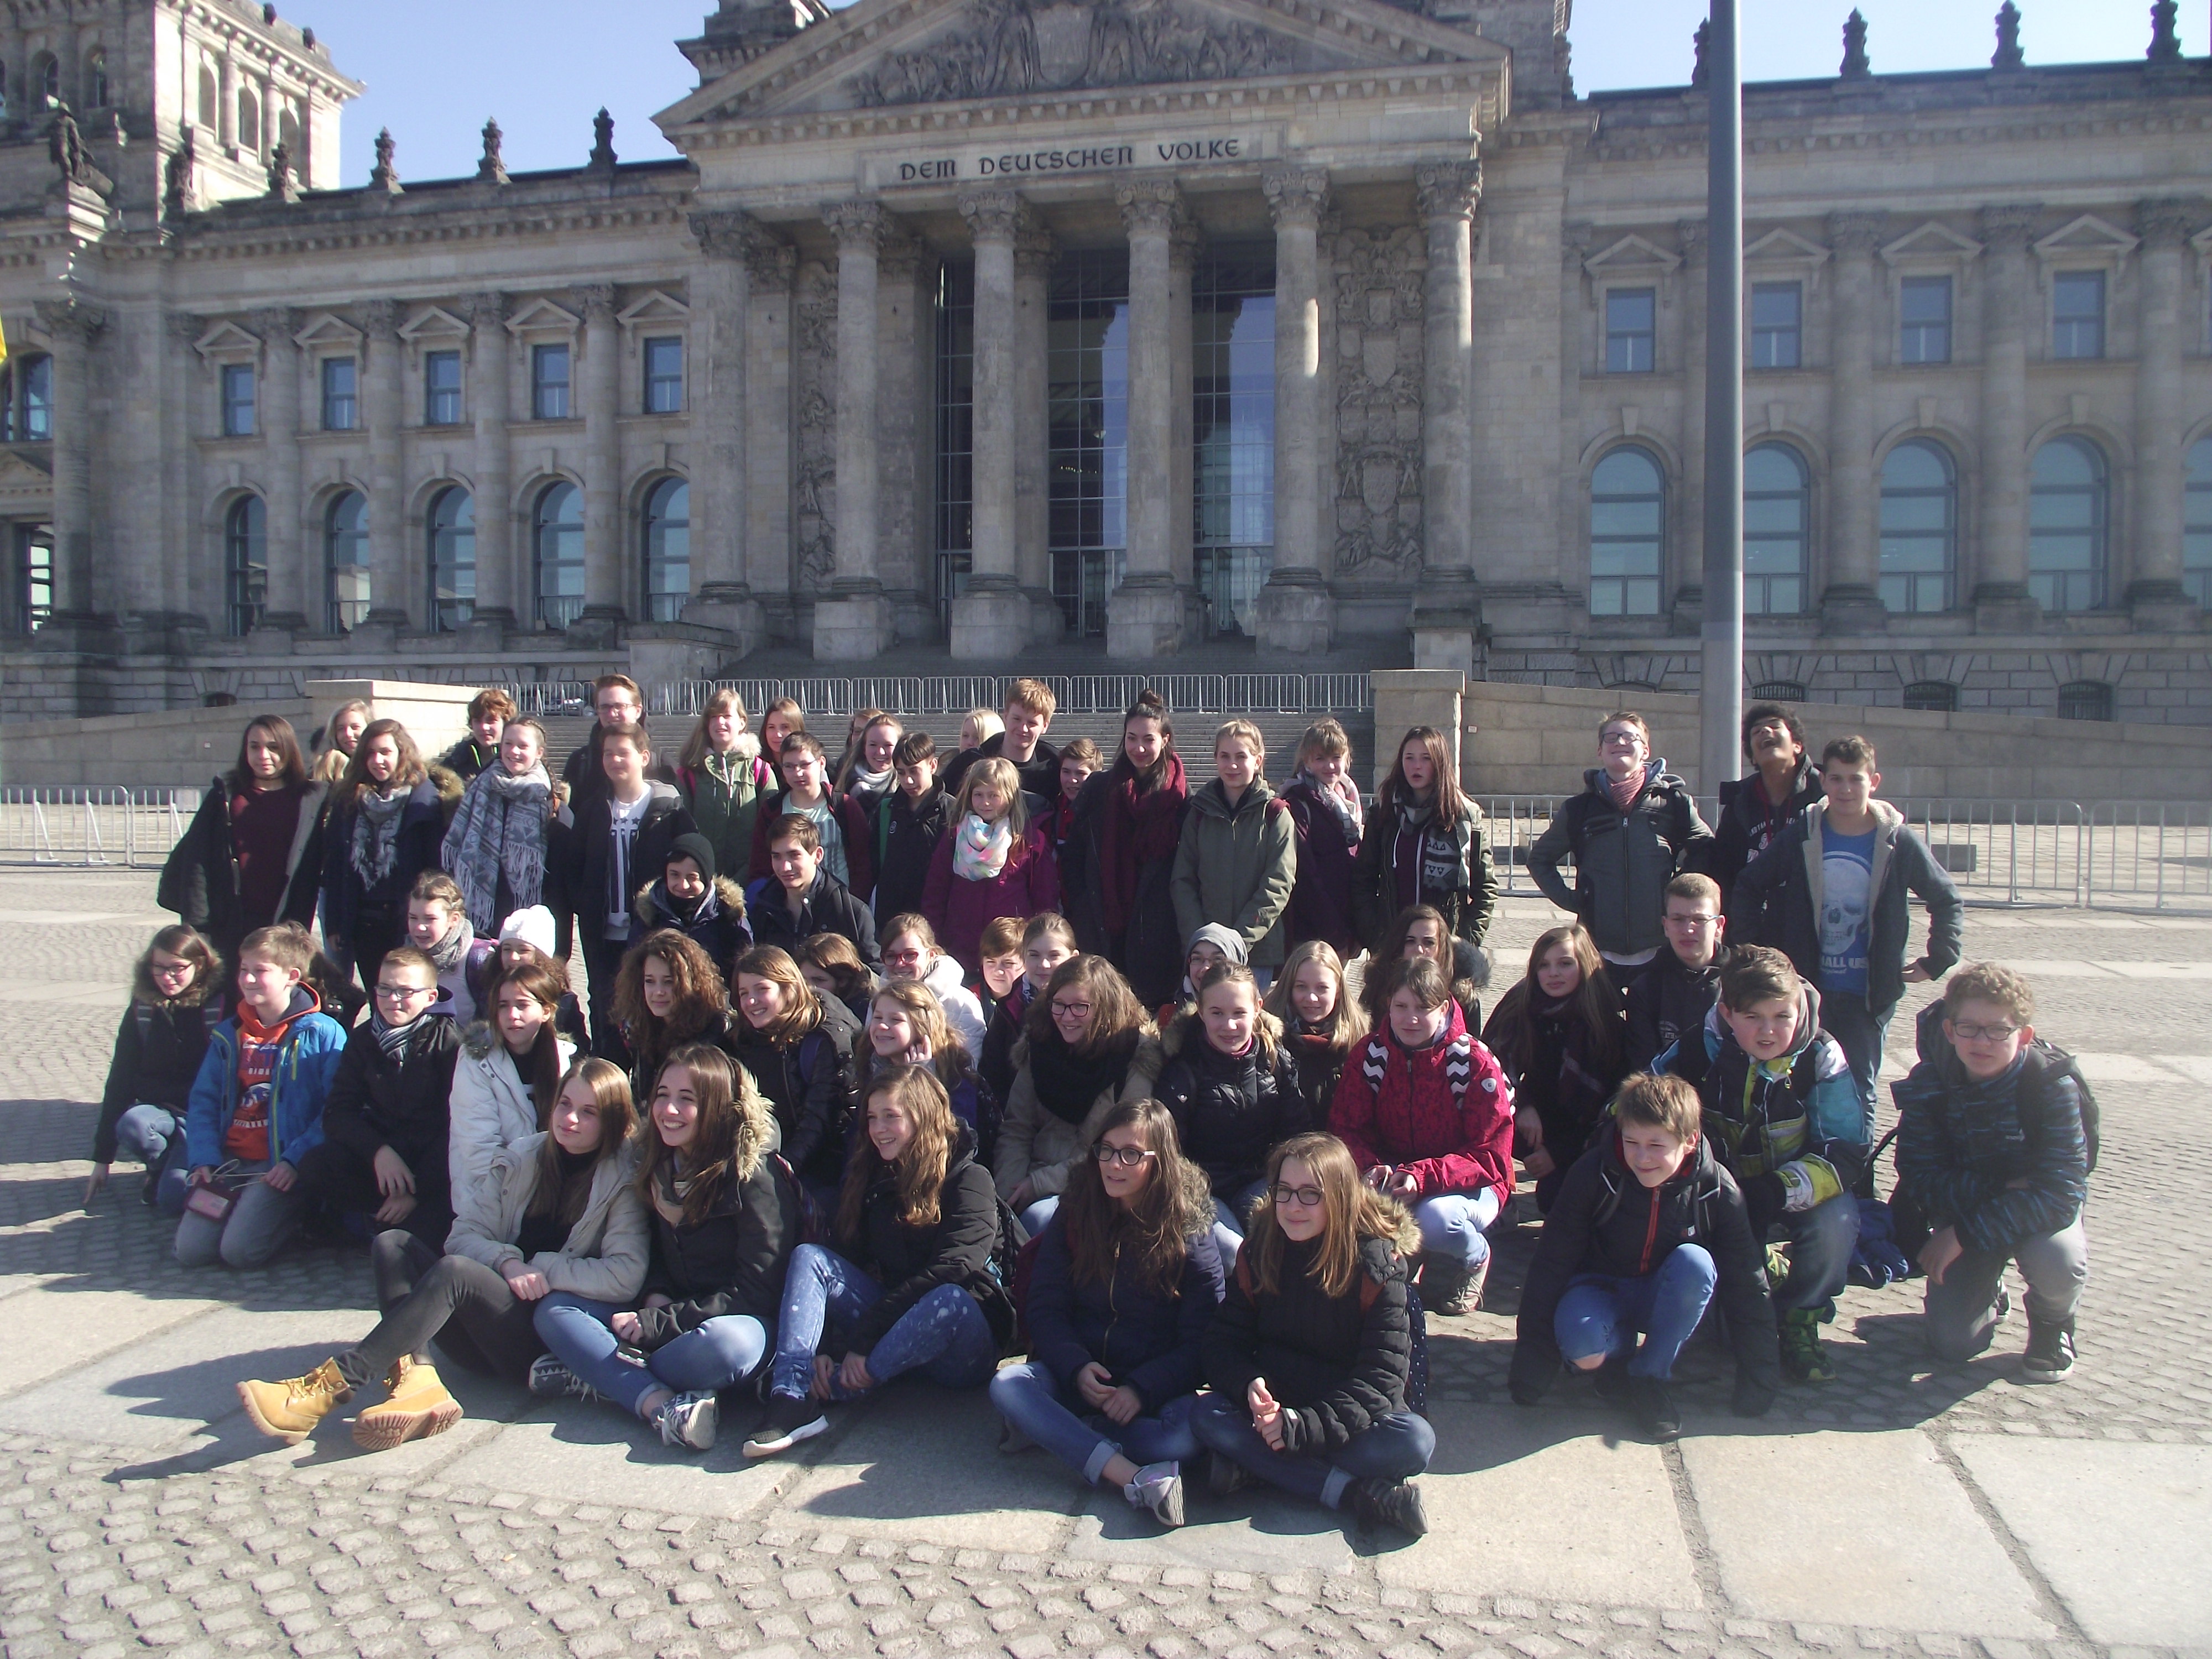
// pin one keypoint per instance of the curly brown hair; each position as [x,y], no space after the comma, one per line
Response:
[701,997]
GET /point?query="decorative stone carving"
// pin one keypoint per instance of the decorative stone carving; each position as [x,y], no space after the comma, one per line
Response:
[180,173]
[1296,196]
[814,484]
[859,226]
[71,319]
[596,300]
[283,187]
[2164,222]
[724,236]
[1857,66]
[602,142]
[2165,37]
[1379,270]
[2009,226]
[2008,54]
[1700,76]
[1449,188]
[492,168]
[380,319]
[991,215]
[383,176]
[769,261]
[1152,205]
[1856,233]
[1014,46]
[65,146]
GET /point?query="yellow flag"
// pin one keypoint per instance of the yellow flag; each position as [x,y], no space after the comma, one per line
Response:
[4,342]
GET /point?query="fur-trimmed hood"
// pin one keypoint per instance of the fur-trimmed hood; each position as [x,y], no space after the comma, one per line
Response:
[758,1135]
[1188,1030]
[450,786]
[1406,1240]
[649,904]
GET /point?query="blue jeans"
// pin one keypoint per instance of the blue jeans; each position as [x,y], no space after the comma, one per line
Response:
[1822,1240]
[1229,1219]
[1032,1399]
[945,1335]
[1034,1217]
[1393,1448]
[147,1132]
[706,1358]
[1601,1314]
[1844,1017]
[1453,1225]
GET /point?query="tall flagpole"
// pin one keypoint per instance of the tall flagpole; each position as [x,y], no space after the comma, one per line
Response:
[1721,684]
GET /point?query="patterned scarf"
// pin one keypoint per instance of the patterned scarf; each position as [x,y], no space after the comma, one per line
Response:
[1342,800]
[979,850]
[1624,791]
[500,829]
[376,834]
[396,1040]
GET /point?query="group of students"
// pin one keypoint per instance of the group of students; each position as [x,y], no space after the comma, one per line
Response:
[819,1142]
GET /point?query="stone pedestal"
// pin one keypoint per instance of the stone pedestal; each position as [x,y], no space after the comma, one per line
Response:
[1407,697]
[660,653]
[1145,618]
[992,621]
[1295,615]
[599,629]
[2005,608]
[487,629]
[2163,607]
[1851,609]
[1446,622]
[853,628]
[732,612]
[1047,622]
[273,636]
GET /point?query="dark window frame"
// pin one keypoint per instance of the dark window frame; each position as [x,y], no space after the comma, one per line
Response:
[241,412]
[341,402]
[1778,344]
[433,393]
[551,399]
[449,527]
[556,610]
[343,615]
[2079,335]
[1924,340]
[659,601]
[1629,583]
[658,399]
[1631,350]
[246,581]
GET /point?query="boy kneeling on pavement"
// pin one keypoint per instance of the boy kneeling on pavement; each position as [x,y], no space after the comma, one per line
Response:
[1782,1115]
[1646,1228]
[1992,1148]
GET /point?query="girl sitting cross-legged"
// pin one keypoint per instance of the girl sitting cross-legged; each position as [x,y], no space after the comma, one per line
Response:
[1124,1280]
[910,1286]
[558,1215]
[724,1221]
[1309,1353]
[906,1026]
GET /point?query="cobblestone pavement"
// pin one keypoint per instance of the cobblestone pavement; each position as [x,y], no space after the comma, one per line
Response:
[1905,1508]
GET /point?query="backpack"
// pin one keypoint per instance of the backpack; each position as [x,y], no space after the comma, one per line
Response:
[1417,1330]
[1930,1043]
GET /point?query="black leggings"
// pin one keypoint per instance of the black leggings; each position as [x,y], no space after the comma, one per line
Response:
[466,1307]
[343,1180]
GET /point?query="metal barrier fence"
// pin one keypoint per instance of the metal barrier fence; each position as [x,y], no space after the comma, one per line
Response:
[2138,854]
[956,693]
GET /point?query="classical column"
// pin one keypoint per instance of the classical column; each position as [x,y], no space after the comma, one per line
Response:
[72,324]
[721,301]
[905,419]
[2002,603]
[1294,608]
[1685,544]
[2156,594]
[1033,252]
[504,596]
[852,621]
[179,548]
[1183,434]
[606,593]
[1852,601]
[294,604]
[990,619]
[1145,614]
[390,604]
[1446,613]
[771,425]
[226,113]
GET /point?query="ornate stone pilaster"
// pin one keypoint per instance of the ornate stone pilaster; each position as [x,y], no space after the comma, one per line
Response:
[1182,443]
[771,424]
[1145,615]
[187,581]
[1295,613]
[2003,603]
[721,294]
[1852,600]
[607,594]
[502,580]
[1448,613]
[990,619]
[294,604]
[73,325]
[853,621]
[390,605]
[2155,595]
[1033,255]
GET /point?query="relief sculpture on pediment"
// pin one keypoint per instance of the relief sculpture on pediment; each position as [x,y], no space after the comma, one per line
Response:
[1379,301]
[1009,48]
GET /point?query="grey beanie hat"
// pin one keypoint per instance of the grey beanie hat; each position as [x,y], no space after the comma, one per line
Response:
[1227,940]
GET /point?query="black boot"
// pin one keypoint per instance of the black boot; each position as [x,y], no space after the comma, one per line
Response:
[1652,1404]
[1390,1503]
[2049,1356]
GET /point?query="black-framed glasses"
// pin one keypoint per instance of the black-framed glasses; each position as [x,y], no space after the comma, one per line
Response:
[1977,1033]
[1305,1198]
[404,992]
[1128,1157]
[1071,1011]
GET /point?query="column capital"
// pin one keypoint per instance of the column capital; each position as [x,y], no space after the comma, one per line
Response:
[185,327]
[1449,190]
[380,319]
[596,300]
[1296,196]
[1150,206]
[1576,238]
[2009,227]
[72,319]
[1856,233]
[1693,235]
[278,325]
[859,226]
[2165,221]
[724,236]
[992,215]
[485,310]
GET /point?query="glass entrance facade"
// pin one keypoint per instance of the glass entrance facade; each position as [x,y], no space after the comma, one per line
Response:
[1087,354]
[956,433]
[1232,374]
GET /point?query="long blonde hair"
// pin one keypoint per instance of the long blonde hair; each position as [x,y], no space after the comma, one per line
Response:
[1002,776]
[331,765]
[1351,1213]
[1347,1025]
[920,1168]
[698,745]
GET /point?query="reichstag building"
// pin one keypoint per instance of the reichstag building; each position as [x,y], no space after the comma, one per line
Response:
[1011,328]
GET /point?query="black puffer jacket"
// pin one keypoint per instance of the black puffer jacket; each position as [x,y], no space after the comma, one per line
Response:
[1320,1063]
[1606,1221]
[733,1260]
[1337,1367]
[158,1050]
[829,907]
[1667,1003]
[910,831]
[1149,1340]
[1748,826]
[808,1084]
[376,1101]
[1232,1110]
[910,1261]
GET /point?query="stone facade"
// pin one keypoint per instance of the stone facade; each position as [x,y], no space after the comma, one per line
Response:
[262,428]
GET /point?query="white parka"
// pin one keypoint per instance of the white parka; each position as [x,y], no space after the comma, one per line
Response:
[604,1256]
[490,1106]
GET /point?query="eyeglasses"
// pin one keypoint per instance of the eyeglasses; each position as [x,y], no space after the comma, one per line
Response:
[170,969]
[404,992]
[1973,1033]
[901,958]
[1702,919]
[1305,1198]
[1128,1157]
[1071,1011]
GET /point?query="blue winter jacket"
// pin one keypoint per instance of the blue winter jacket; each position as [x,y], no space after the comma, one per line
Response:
[307,1061]
[1147,1341]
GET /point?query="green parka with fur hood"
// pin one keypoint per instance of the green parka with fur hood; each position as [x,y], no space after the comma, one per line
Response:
[1237,865]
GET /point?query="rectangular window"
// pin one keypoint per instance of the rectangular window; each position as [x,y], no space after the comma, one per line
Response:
[1233,424]
[38,399]
[33,595]
[1087,358]
[664,377]
[1777,325]
[956,432]
[548,382]
[2077,313]
[341,395]
[441,388]
[1630,325]
[238,400]
[1924,305]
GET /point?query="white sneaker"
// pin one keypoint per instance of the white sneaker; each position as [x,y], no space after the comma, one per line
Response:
[552,1379]
[689,1420]
[1157,1487]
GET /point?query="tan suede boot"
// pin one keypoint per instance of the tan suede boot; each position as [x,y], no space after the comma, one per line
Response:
[418,1406]
[289,1410]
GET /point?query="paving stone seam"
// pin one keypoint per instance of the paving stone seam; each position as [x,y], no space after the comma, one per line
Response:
[2050,1604]
[1704,1560]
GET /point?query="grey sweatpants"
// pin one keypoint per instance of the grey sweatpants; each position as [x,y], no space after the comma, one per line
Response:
[1962,1311]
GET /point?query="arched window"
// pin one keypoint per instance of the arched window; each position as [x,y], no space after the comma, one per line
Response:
[667,548]
[2196,525]
[1919,528]
[288,134]
[249,121]
[1628,534]
[246,562]
[345,563]
[46,76]
[560,554]
[1777,510]
[452,558]
[2085,700]
[210,100]
[2068,513]
[96,81]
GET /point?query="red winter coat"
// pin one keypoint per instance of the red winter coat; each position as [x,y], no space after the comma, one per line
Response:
[1398,1108]
[959,909]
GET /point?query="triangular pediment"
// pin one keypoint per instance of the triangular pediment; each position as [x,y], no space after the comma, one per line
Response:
[2088,235]
[1632,256]
[20,476]
[542,316]
[327,330]
[1785,247]
[225,338]
[655,307]
[881,53]
[1933,240]
[435,323]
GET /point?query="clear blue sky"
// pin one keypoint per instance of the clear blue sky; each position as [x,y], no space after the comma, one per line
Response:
[436,68]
